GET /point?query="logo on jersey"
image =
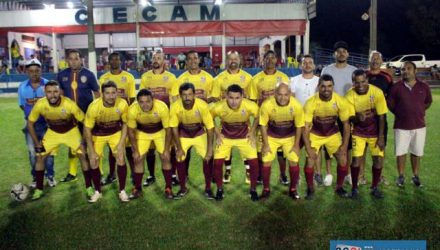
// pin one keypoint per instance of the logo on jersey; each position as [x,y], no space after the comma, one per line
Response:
[335,106]
[202,79]
[242,79]
[197,113]
[243,112]
[278,78]
[83,79]
[118,111]
[291,110]
[155,114]
[65,79]
[371,98]
[123,79]
[165,78]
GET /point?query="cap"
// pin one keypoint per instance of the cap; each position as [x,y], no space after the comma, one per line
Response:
[340,44]
[32,62]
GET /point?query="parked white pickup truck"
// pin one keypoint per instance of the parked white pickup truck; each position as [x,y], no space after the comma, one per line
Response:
[418,59]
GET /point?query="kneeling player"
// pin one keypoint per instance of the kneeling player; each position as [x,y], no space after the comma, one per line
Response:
[321,113]
[148,121]
[235,113]
[368,122]
[62,116]
[192,126]
[281,121]
[105,123]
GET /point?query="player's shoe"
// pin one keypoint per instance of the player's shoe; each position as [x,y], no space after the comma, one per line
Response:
[227,176]
[38,193]
[108,180]
[347,179]
[400,181]
[33,184]
[174,180]
[310,194]
[248,178]
[376,193]
[265,194]
[209,195]
[318,179]
[135,194]
[384,181]
[95,197]
[89,192]
[341,192]
[69,178]
[328,180]
[149,181]
[354,193]
[219,195]
[416,181]
[294,195]
[182,193]
[51,181]
[169,194]
[284,180]
[254,196]
[123,197]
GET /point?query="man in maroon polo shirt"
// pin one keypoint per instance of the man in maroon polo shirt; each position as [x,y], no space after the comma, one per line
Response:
[408,100]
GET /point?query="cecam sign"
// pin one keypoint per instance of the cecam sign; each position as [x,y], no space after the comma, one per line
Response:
[161,13]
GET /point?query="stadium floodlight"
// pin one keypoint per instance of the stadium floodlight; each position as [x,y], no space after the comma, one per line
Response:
[218,2]
[144,3]
[49,6]
[70,5]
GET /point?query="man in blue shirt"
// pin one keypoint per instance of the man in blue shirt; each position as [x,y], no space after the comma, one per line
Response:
[80,85]
[29,92]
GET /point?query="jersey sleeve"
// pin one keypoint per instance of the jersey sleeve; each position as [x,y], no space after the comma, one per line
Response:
[165,116]
[90,119]
[131,87]
[216,88]
[309,109]
[299,115]
[381,103]
[207,117]
[77,112]
[214,110]
[210,84]
[253,109]
[344,109]
[131,116]
[21,100]
[264,114]
[124,109]
[35,113]
[174,120]
[143,84]
[175,88]
[349,97]
[253,95]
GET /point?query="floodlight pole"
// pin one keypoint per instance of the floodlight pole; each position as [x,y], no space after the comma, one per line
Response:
[373,25]
[91,37]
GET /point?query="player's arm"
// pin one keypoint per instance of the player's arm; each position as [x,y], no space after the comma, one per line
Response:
[174,125]
[38,147]
[168,133]
[21,100]
[131,132]
[428,99]
[263,121]
[308,119]
[208,121]
[93,157]
[121,144]
[381,138]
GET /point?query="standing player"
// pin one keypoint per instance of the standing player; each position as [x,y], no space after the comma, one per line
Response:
[126,90]
[61,115]
[160,82]
[304,86]
[282,122]
[321,129]
[233,75]
[29,92]
[408,100]
[80,85]
[192,126]
[264,84]
[148,121]
[368,119]
[235,113]
[105,123]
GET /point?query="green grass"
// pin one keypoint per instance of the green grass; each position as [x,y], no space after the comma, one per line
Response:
[63,219]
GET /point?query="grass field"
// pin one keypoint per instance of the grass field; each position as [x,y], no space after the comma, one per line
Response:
[63,219]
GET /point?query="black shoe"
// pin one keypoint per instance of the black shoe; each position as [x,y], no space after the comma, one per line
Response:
[294,194]
[284,180]
[260,180]
[416,181]
[135,194]
[150,180]
[227,176]
[69,178]
[181,194]
[318,180]
[354,193]
[174,180]
[108,180]
[254,196]
[219,196]
[376,193]
[400,181]
[209,195]
[310,194]
[265,194]
[341,192]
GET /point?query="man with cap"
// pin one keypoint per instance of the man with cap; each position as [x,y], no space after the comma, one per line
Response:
[29,91]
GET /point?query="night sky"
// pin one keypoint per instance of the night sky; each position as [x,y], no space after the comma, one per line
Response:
[397,33]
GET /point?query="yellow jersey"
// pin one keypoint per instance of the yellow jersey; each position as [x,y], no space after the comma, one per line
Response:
[202,81]
[159,84]
[124,81]
[264,84]
[106,120]
[226,79]
[148,122]
[235,123]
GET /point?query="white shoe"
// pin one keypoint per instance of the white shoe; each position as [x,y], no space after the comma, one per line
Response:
[328,180]
[33,184]
[51,181]
[348,179]
[123,197]
[95,197]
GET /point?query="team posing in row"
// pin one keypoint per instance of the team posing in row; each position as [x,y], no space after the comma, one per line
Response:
[258,115]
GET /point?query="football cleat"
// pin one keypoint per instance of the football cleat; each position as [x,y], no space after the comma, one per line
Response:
[174,180]
[219,195]
[254,196]
[341,192]
[284,180]
[310,194]
[227,176]
[150,180]
[318,179]
[294,194]
[416,181]
[69,178]
[38,193]
[51,181]
[95,197]
[209,195]
[354,193]
[123,197]
[376,193]
[108,180]
[400,181]
[182,193]
[265,194]
[135,194]
[33,184]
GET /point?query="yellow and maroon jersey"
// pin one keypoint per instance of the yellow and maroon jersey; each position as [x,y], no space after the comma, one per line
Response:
[106,120]
[148,122]
[372,104]
[160,85]
[324,114]
[202,81]
[191,122]
[226,79]
[264,85]
[235,123]
[281,121]
[61,118]
[125,82]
